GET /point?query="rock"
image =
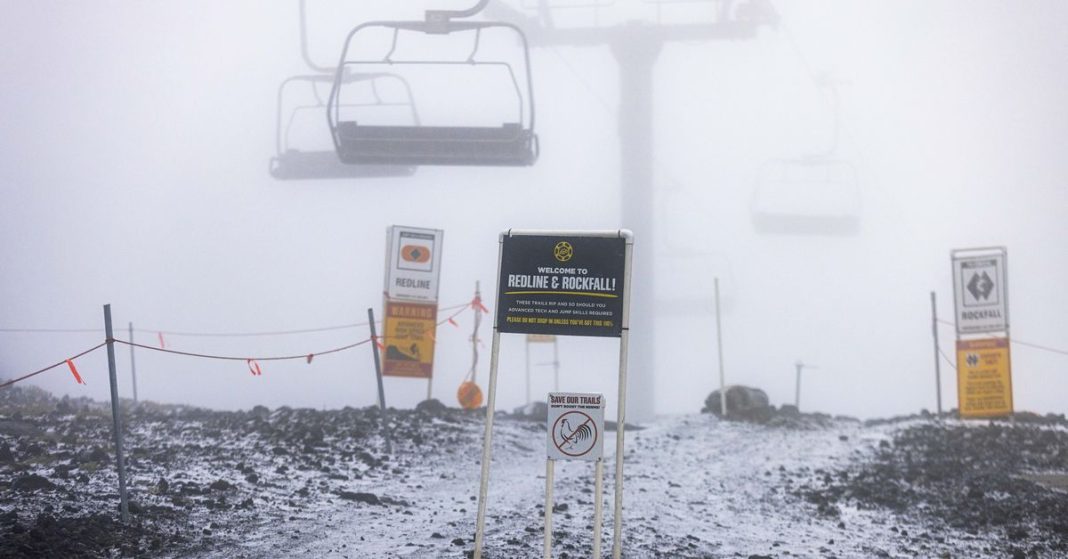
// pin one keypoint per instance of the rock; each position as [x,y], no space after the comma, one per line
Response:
[162,486]
[369,498]
[433,406]
[32,482]
[789,410]
[458,542]
[6,456]
[534,411]
[221,485]
[743,402]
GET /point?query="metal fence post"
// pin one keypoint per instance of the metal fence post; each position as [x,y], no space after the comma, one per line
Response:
[116,420]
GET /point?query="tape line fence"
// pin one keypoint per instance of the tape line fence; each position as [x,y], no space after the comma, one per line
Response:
[475,305]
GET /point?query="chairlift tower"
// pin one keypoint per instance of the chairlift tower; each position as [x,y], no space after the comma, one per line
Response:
[636,47]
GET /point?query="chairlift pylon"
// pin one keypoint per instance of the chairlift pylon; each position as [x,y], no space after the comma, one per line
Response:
[513,143]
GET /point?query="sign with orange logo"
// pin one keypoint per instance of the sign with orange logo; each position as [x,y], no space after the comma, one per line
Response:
[409,340]
[984,378]
[413,263]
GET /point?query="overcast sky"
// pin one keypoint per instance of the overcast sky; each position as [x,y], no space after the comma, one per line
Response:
[134,148]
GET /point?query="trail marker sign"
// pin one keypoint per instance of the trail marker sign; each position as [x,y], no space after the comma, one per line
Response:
[979,287]
[576,426]
[413,263]
[984,378]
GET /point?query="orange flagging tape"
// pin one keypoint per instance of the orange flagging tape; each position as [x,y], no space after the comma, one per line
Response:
[254,367]
[161,344]
[310,357]
[477,303]
[379,344]
[74,371]
[453,322]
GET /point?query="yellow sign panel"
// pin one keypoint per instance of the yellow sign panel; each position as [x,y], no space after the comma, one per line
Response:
[984,378]
[409,340]
[541,338]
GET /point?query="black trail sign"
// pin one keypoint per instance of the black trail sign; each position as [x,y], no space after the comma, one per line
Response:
[561,284]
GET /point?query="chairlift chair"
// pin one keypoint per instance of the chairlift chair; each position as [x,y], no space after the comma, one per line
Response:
[814,195]
[292,163]
[512,143]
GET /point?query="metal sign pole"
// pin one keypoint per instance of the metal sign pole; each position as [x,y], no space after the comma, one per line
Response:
[556,364]
[487,444]
[133,365]
[797,389]
[487,438]
[549,464]
[378,374]
[621,411]
[719,347]
[528,367]
[116,419]
[938,366]
[598,507]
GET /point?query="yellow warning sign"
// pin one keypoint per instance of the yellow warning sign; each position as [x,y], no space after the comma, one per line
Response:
[409,340]
[984,378]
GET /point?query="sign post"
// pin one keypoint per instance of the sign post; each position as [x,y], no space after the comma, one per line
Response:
[984,364]
[569,283]
[116,418]
[378,375]
[413,268]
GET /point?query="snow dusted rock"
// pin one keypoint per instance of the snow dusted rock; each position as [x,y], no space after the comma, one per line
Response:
[32,482]
[359,497]
[743,402]
[6,456]
[534,411]
[433,406]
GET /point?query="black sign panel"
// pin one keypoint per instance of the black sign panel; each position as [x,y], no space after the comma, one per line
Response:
[565,285]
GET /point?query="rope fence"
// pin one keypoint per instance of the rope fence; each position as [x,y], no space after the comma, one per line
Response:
[1016,341]
[253,362]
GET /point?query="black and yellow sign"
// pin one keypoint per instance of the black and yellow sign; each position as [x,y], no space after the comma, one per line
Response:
[984,378]
[409,340]
[565,285]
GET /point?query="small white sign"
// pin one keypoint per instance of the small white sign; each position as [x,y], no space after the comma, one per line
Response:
[576,426]
[981,300]
[413,263]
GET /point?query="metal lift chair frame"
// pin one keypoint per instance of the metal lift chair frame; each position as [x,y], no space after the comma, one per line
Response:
[511,144]
[294,164]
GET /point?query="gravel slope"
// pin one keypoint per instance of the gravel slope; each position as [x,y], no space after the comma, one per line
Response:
[285,482]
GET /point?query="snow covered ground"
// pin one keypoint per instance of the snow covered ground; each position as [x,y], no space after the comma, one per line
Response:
[284,482]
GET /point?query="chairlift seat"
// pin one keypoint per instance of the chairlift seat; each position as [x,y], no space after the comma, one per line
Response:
[507,145]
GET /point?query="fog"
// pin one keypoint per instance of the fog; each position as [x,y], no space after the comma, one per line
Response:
[134,147]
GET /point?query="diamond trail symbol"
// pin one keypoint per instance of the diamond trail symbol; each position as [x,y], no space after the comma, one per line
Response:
[981,286]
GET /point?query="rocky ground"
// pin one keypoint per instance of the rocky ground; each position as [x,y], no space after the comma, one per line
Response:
[299,482]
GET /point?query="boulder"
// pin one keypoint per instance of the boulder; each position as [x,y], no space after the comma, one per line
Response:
[743,402]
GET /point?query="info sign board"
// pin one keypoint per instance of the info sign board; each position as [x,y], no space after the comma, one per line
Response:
[576,426]
[979,289]
[984,378]
[413,263]
[409,339]
[563,284]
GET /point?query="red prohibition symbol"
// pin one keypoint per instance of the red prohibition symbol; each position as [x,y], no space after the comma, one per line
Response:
[575,433]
